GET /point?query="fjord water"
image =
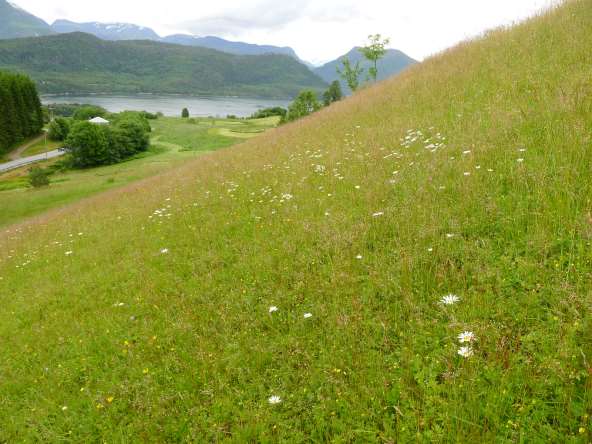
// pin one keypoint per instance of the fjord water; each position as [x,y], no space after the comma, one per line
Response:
[171,105]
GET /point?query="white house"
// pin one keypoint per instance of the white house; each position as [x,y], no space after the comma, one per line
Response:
[99,121]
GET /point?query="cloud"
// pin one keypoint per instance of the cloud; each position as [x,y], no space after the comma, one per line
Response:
[270,15]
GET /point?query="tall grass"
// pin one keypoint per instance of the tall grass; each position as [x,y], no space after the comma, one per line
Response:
[144,314]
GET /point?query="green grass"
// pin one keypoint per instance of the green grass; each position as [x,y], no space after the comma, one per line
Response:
[156,327]
[174,142]
[43,146]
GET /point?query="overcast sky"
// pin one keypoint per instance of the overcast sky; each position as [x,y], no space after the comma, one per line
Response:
[319,30]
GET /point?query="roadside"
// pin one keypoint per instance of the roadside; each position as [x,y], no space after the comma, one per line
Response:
[17,163]
[17,152]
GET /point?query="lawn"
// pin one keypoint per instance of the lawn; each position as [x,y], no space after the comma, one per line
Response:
[174,142]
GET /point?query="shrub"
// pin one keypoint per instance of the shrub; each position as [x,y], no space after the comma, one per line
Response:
[185,113]
[149,116]
[38,177]
[270,112]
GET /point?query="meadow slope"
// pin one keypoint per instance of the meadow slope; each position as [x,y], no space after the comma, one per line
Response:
[143,314]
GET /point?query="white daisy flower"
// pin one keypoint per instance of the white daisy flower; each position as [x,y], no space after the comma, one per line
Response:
[449,299]
[164,251]
[274,400]
[359,256]
[466,336]
[465,352]
[520,160]
[68,253]
[380,213]
[273,309]
[307,315]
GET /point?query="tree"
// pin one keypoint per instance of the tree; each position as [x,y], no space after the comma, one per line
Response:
[306,103]
[90,145]
[88,112]
[58,129]
[351,74]
[333,94]
[20,109]
[185,113]
[373,52]
[38,177]
[130,137]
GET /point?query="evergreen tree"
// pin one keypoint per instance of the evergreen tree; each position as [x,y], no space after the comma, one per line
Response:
[20,110]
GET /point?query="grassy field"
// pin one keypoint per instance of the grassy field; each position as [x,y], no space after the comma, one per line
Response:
[291,289]
[174,141]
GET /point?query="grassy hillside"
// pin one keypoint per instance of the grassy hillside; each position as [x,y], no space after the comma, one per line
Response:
[144,314]
[81,63]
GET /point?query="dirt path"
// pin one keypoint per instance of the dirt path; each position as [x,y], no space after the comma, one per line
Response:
[16,154]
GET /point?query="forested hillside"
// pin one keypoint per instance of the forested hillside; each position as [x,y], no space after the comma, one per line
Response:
[20,109]
[81,63]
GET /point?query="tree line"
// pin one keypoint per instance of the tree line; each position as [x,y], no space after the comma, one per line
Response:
[20,110]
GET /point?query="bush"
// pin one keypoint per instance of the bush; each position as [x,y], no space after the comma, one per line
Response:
[185,113]
[149,116]
[58,129]
[270,112]
[38,177]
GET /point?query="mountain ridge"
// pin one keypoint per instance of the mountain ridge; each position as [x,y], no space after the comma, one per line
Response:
[83,63]
[15,22]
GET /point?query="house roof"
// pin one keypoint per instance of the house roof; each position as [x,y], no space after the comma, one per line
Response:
[98,120]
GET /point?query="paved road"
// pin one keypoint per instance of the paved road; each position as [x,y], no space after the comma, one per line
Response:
[28,160]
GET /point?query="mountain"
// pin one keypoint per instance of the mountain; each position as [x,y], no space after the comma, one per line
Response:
[82,63]
[16,22]
[128,31]
[392,63]
[219,44]
[106,31]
